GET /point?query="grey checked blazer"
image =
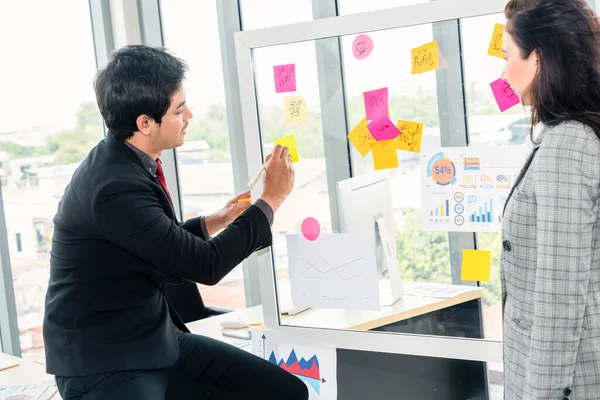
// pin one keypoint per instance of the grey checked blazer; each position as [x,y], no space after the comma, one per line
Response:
[550,270]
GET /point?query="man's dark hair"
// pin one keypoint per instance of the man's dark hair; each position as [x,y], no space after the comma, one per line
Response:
[137,80]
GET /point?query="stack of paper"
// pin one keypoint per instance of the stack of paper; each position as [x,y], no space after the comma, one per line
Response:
[38,391]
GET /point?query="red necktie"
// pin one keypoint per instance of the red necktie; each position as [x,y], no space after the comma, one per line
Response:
[160,175]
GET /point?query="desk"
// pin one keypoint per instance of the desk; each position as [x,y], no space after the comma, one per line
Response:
[28,372]
[211,327]
[408,306]
[384,375]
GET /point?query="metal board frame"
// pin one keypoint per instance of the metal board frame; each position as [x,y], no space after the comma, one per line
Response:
[245,42]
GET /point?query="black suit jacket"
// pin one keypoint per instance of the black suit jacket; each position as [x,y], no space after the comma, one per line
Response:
[116,243]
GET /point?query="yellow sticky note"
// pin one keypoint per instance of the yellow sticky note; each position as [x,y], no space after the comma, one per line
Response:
[495,48]
[425,58]
[289,142]
[411,137]
[384,154]
[295,110]
[248,200]
[476,265]
[361,138]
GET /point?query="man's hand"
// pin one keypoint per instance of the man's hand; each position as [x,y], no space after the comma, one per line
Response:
[225,216]
[279,177]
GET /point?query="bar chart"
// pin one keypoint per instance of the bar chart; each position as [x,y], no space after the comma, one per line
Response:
[474,200]
[441,211]
[484,214]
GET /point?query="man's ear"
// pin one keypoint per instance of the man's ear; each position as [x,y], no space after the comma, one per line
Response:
[144,124]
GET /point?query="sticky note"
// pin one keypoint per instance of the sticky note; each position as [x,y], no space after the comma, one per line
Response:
[362,46]
[295,110]
[384,154]
[285,78]
[361,138]
[425,58]
[504,95]
[495,48]
[383,129]
[411,136]
[311,229]
[376,103]
[248,200]
[476,265]
[289,142]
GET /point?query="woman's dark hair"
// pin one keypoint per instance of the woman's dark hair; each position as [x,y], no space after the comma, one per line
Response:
[566,36]
[137,80]
[516,6]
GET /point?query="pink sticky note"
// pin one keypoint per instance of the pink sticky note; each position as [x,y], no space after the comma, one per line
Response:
[362,47]
[311,229]
[376,103]
[383,129]
[285,78]
[505,96]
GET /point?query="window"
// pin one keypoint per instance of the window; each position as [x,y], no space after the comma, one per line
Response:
[49,124]
[204,161]
[357,6]
[310,197]
[413,98]
[257,14]
[488,126]
[19,244]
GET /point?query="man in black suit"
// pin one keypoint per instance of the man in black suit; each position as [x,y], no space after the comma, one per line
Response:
[109,329]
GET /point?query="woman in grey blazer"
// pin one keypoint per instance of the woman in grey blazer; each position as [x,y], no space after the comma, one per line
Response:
[550,266]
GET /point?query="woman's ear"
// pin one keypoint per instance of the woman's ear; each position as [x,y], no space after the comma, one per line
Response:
[537,61]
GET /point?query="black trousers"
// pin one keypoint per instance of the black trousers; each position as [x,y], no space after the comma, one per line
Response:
[206,369]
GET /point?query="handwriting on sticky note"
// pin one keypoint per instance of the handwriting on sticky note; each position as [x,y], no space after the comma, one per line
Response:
[476,265]
[289,142]
[384,154]
[361,138]
[383,129]
[410,137]
[295,110]
[376,103]
[362,46]
[285,78]
[425,58]
[495,48]
[504,95]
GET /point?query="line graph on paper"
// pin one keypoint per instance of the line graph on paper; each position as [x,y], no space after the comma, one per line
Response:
[321,269]
[334,271]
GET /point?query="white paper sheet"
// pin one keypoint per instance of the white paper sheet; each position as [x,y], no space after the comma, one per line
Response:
[464,189]
[334,271]
[438,290]
[316,366]
[39,391]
